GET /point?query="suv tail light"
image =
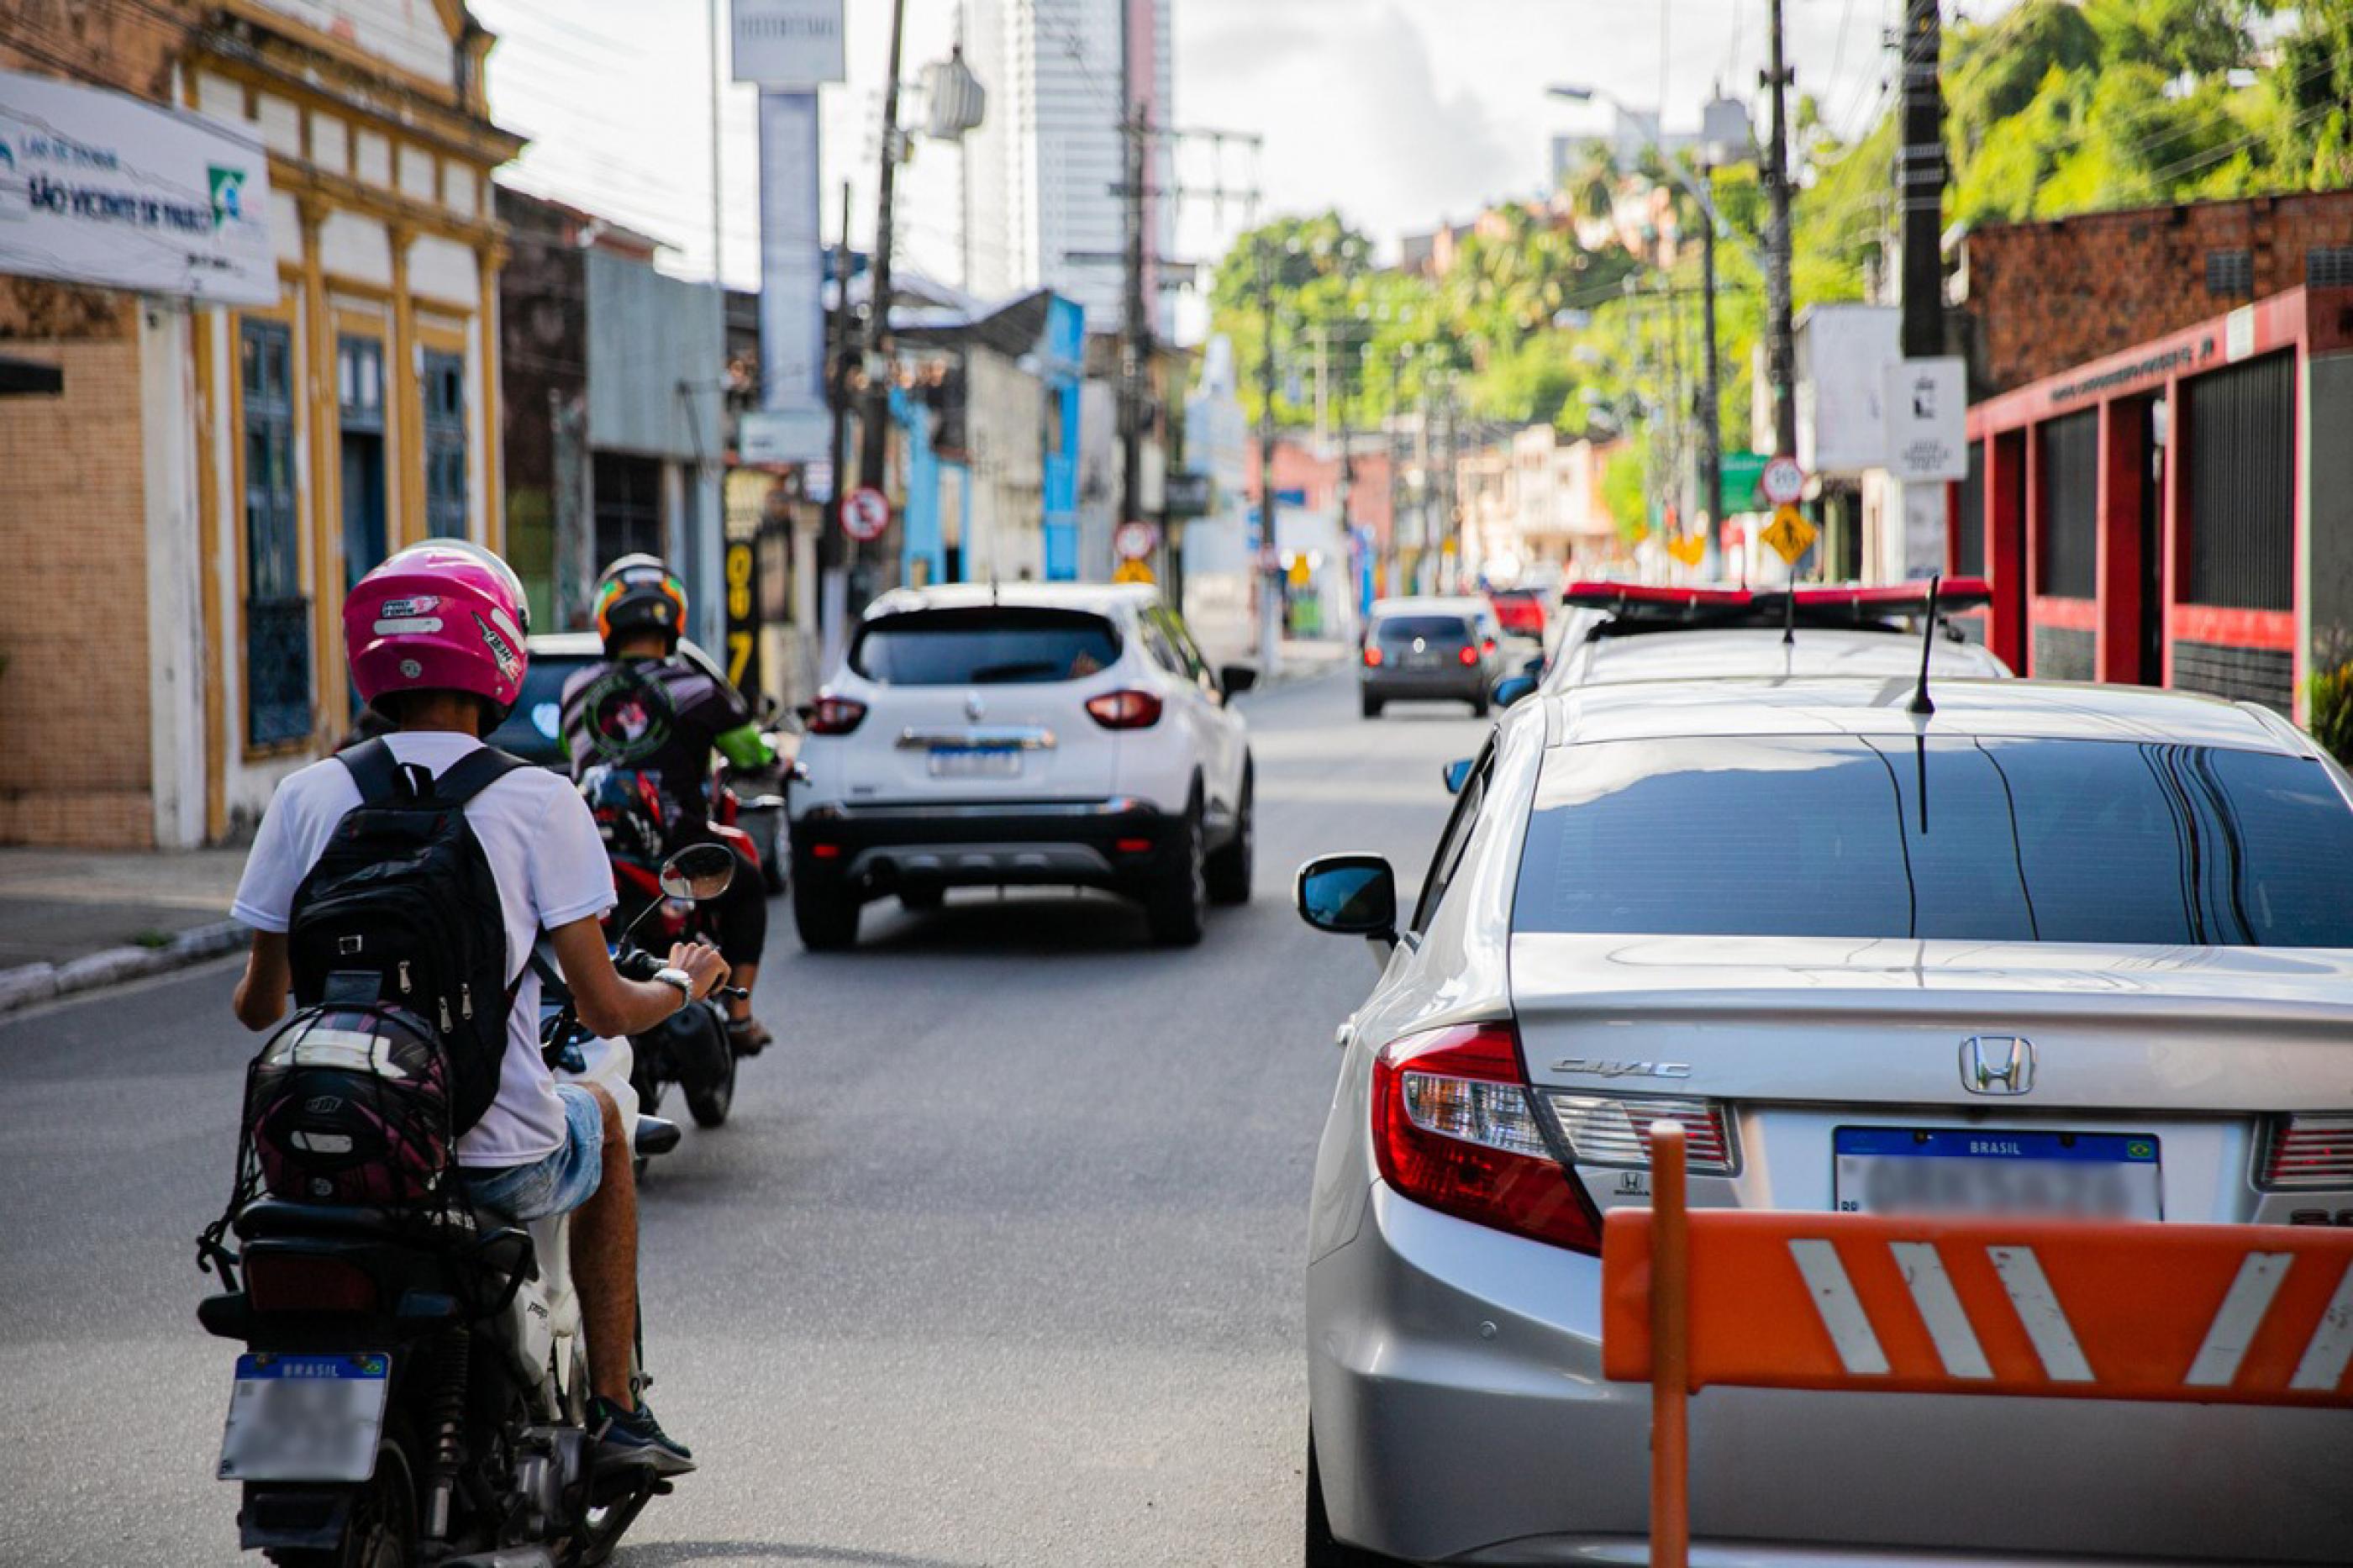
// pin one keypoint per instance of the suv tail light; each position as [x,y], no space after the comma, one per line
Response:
[1454,1128]
[2310,1151]
[1614,1129]
[1124,710]
[303,1282]
[836,716]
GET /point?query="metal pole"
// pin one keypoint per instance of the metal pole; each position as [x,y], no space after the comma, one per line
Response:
[1268,566]
[1711,394]
[1670,1351]
[874,437]
[832,584]
[1780,350]
[1923,183]
[1134,338]
[718,273]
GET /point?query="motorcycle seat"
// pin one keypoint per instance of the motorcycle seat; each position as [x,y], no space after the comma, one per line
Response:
[267,1218]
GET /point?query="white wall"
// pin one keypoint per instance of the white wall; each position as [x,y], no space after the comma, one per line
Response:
[175,628]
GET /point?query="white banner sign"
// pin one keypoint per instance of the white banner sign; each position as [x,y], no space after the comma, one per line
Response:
[1927,420]
[789,43]
[100,188]
[766,435]
[792,285]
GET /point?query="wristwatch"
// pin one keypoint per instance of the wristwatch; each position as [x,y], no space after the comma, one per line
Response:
[671,974]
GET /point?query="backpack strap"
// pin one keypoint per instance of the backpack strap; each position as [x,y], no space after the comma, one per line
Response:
[475,774]
[377,773]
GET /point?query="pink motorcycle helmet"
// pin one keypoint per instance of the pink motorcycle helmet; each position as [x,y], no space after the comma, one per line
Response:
[444,615]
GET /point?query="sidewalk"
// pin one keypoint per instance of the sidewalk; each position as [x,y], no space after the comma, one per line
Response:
[72,918]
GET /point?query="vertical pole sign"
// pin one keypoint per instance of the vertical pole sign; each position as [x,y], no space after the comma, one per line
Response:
[788,48]
[1927,448]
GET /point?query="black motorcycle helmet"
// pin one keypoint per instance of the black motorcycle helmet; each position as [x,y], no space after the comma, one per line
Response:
[636,594]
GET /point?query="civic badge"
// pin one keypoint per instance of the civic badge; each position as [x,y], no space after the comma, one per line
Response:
[1998,1063]
[974,708]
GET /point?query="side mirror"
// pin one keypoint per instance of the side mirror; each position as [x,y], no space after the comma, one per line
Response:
[1237,678]
[1456,773]
[1513,688]
[1349,895]
[699,872]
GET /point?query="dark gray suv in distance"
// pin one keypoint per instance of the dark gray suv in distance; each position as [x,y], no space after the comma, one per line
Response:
[1429,650]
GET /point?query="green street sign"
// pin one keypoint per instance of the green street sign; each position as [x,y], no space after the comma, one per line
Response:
[1738,491]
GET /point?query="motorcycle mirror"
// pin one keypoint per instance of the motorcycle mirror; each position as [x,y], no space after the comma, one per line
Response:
[699,872]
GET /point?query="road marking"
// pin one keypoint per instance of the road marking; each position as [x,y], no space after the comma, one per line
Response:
[1940,1309]
[2038,1311]
[1841,1312]
[2332,1342]
[2238,1318]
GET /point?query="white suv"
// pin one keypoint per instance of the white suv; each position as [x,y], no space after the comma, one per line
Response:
[983,735]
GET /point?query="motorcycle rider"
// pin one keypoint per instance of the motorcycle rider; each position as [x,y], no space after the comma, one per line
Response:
[650,711]
[435,638]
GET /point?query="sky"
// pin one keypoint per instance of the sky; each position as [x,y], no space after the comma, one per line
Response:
[1400,113]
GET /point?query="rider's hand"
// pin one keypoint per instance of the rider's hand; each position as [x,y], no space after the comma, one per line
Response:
[704,968]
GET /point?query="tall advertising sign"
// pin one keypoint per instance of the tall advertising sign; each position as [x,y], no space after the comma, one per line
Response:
[789,49]
[98,187]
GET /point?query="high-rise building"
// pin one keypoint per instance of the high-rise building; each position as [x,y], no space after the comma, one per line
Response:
[1043,204]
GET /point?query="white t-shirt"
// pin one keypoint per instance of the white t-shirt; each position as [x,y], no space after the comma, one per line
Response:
[551,869]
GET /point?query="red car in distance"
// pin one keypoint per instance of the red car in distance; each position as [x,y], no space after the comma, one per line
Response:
[1521,611]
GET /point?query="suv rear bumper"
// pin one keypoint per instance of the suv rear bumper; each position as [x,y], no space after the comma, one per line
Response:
[1121,844]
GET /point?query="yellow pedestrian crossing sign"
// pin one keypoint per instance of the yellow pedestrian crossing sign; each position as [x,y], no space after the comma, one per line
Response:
[1131,571]
[1789,533]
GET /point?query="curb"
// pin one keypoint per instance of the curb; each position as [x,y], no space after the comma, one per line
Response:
[30,984]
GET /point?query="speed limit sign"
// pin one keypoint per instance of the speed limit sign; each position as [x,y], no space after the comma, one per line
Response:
[1135,539]
[1783,481]
[865,513]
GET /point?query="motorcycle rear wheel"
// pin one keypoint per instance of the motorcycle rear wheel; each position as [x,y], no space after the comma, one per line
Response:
[382,1531]
[709,1104]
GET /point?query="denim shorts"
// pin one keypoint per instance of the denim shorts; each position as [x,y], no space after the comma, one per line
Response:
[558,1184]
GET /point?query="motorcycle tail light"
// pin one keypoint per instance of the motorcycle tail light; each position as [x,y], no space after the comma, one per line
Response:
[2310,1151]
[836,716]
[1124,710]
[1615,1130]
[1454,1129]
[299,1282]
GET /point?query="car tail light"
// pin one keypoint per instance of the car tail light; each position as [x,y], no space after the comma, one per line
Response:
[1124,710]
[1615,1130]
[1468,655]
[1454,1128]
[836,716]
[1488,646]
[301,1282]
[1372,654]
[2310,1151]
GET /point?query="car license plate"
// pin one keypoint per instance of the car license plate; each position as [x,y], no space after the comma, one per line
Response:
[976,762]
[2060,1175]
[304,1417]
[1424,661]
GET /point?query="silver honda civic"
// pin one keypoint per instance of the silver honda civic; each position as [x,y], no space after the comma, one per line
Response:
[2049,950]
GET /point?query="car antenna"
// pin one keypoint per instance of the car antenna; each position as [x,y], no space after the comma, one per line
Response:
[1920,703]
[1789,610]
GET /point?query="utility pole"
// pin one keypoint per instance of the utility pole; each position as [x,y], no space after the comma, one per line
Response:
[1269,562]
[874,443]
[1711,416]
[1135,339]
[833,589]
[1780,344]
[718,273]
[1922,162]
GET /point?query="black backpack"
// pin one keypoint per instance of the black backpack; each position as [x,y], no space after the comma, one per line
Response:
[402,909]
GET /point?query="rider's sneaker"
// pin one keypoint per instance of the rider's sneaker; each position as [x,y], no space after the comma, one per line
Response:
[634,1436]
[748,1036]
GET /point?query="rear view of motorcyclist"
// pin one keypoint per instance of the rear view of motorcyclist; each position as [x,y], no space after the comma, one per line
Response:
[648,710]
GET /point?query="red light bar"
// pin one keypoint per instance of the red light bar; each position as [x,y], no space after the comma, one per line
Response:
[1898,598]
[1603,596]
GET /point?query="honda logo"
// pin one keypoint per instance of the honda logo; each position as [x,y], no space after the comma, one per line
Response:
[1997,1064]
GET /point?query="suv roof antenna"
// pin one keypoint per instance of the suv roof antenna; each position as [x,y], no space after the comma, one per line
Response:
[1920,703]
[1789,610]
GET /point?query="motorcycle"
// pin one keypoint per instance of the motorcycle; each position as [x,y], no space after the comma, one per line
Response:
[414,1385]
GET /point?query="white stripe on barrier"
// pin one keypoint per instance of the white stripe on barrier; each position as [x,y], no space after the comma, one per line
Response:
[2237,1319]
[2038,1311]
[1842,1311]
[1940,1309]
[2331,1345]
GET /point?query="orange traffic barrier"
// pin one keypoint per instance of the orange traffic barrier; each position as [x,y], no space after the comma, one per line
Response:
[2209,1313]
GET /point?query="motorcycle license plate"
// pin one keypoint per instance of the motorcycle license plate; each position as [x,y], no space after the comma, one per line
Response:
[305,1417]
[1974,1171]
[976,762]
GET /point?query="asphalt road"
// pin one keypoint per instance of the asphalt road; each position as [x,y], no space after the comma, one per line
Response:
[998,1262]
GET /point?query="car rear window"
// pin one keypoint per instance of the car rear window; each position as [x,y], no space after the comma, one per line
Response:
[1991,840]
[1430,629]
[984,647]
